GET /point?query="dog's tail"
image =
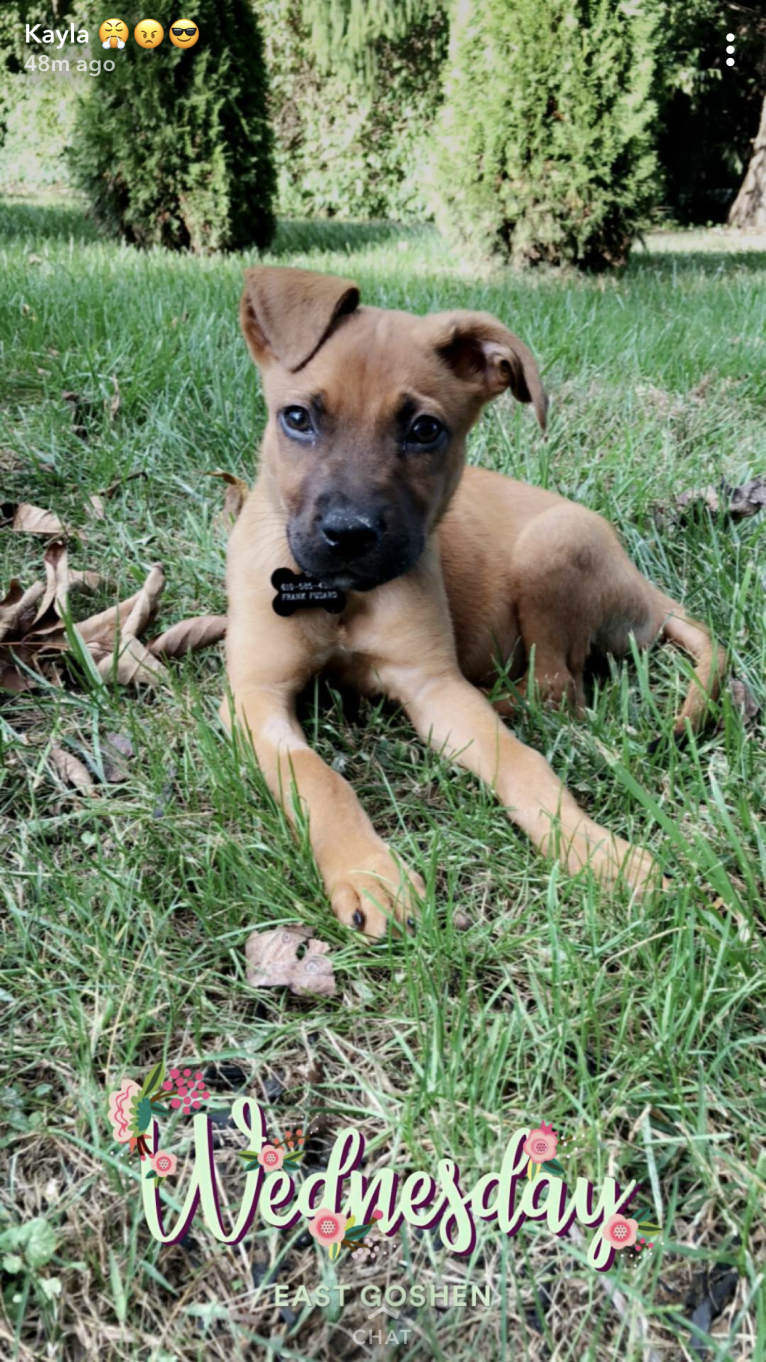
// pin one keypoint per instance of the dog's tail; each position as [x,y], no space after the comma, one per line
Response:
[710,659]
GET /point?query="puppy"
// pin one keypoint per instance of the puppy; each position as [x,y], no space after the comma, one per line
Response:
[417,576]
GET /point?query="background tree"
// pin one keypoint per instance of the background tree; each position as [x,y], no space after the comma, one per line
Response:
[353,116]
[708,111]
[546,150]
[749,207]
[345,33]
[174,147]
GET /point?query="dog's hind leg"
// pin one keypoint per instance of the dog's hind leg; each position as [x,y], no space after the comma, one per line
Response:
[710,658]
[570,575]
[577,590]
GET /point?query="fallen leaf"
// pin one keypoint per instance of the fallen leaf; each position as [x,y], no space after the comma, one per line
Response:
[34,260]
[103,626]
[748,499]
[114,400]
[133,665]
[738,503]
[90,580]
[708,496]
[188,635]
[28,519]
[237,492]
[70,768]
[94,507]
[18,611]
[743,699]
[113,487]
[146,602]
[116,752]
[711,1292]
[273,961]
[10,601]
[14,681]
[54,599]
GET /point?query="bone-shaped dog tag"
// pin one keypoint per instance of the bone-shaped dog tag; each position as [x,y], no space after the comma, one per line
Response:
[298,591]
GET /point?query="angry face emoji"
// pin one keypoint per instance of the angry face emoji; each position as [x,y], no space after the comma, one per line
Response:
[148,33]
[113,33]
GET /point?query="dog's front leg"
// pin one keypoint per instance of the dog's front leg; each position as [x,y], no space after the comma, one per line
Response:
[366,886]
[454,717]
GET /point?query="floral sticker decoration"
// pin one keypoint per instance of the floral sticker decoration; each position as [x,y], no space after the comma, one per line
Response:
[620,1230]
[276,1154]
[540,1145]
[335,1231]
[132,1109]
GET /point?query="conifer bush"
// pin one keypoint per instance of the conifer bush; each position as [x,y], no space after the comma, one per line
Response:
[545,150]
[354,89]
[174,147]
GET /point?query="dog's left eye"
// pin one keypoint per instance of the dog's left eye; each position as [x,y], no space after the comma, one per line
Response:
[296,421]
[425,431]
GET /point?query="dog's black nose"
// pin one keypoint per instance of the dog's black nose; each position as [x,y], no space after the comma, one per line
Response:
[349,536]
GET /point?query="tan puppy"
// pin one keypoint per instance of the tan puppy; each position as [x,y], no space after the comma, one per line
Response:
[362,486]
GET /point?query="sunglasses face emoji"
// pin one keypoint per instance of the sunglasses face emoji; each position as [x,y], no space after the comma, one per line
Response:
[183,33]
[113,33]
[148,33]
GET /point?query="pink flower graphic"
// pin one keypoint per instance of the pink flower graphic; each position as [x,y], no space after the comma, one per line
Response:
[619,1231]
[121,1110]
[328,1227]
[540,1144]
[164,1163]
[270,1158]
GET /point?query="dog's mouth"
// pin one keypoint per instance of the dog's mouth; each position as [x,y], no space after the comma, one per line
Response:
[391,558]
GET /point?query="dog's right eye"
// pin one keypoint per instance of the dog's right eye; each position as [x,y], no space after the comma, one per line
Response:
[296,421]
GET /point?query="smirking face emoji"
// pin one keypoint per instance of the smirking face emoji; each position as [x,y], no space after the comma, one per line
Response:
[183,33]
[113,33]
[148,33]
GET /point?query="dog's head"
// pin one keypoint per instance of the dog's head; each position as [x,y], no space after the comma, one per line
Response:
[368,415]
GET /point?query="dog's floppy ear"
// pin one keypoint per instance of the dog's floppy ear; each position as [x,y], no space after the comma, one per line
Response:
[286,314]
[481,351]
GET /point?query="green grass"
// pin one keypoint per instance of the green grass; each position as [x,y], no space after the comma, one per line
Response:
[638,1030]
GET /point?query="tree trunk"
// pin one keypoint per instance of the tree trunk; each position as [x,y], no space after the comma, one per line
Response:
[749,207]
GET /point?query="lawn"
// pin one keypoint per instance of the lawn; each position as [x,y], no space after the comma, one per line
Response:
[636,1029]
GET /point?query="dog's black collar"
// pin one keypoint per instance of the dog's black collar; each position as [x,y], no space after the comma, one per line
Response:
[298,591]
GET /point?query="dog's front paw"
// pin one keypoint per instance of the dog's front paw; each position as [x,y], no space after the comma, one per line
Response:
[369,889]
[613,860]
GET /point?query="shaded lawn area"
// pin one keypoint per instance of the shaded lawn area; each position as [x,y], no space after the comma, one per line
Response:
[636,1029]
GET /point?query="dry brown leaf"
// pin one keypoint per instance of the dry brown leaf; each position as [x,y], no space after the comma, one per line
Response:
[743,699]
[70,768]
[133,665]
[90,580]
[114,401]
[9,605]
[28,519]
[94,507]
[12,680]
[748,499]
[145,603]
[188,635]
[116,751]
[102,627]
[738,503]
[707,495]
[17,612]
[107,492]
[56,587]
[237,492]
[273,961]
